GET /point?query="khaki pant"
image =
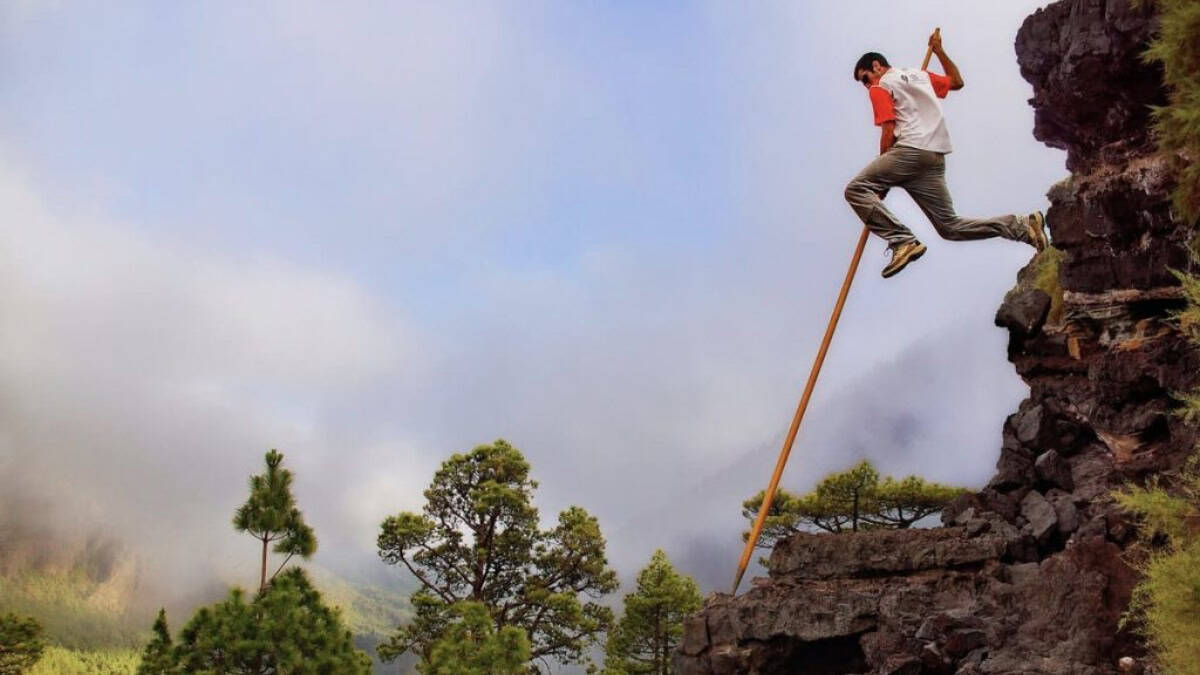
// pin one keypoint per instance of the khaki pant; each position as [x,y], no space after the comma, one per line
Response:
[922,174]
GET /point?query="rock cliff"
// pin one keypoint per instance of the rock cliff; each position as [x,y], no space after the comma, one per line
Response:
[1027,575]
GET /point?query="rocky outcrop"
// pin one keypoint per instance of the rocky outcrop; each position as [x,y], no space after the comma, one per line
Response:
[1027,576]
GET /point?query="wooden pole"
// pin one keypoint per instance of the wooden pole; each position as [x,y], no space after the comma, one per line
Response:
[808,390]
[769,496]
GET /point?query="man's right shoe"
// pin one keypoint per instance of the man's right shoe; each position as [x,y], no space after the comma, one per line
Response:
[902,254]
[1035,223]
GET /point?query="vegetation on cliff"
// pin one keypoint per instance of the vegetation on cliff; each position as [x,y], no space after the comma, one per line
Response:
[1047,278]
[849,501]
[1166,603]
[1177,124]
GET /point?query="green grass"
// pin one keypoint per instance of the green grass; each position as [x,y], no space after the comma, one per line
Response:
[62,661]
[1046,278]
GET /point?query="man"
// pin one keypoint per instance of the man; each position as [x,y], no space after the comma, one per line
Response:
[912,155]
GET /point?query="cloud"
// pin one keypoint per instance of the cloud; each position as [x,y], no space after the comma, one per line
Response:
[611,235]
[141,382]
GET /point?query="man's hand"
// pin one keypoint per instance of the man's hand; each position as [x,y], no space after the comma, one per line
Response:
[951,70]
[887,136]
[935,41]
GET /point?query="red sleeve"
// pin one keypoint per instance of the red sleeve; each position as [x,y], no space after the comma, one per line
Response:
[941,84]
[881,102]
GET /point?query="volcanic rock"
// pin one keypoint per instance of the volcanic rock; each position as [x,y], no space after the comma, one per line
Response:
[1028,575]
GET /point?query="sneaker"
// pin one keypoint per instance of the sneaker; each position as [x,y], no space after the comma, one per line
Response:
[1035,224]
[902,254]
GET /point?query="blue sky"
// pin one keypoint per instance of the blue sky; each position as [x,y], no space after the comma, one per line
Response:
[374,234]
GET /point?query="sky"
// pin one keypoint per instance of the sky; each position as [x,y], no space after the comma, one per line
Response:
[374,234]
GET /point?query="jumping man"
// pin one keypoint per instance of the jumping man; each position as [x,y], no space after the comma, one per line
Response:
[912,155]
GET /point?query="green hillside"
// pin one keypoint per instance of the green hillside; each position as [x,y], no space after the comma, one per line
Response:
[75,610]
[62,661]
[371,612]
[98,625]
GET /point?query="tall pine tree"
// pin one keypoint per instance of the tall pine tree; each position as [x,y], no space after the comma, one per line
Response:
[156,657]
[270,515]
[645,638]
[286,628]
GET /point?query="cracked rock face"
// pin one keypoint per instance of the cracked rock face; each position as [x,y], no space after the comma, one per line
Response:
[1027,576]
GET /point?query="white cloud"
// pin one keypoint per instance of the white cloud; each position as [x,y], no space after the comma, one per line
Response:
[142,383]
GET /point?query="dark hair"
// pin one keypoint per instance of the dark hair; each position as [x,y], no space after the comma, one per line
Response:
[864,62]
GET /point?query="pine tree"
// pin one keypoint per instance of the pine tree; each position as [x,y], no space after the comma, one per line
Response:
[849,501]
[471,645]
[270,515]
[156,657]
[285,629]
[478,539]
[644,640]
[21,643]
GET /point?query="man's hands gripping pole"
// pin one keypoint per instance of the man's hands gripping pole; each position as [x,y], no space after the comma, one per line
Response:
[951,70]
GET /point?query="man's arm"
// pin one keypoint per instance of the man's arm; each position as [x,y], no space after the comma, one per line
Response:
[951,70]
[887,136]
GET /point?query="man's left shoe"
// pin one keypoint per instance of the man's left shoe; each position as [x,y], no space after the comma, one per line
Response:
[1035,224]
[902,254]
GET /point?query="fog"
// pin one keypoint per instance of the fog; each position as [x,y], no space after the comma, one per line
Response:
[373,237]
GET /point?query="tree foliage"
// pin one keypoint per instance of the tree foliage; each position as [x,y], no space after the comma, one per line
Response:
[21,643]
[1177,124]
[1166,602]
[471,645]
[644,639]
[849,501]
[270,515]
[478,539]
[157,657]
[286,628]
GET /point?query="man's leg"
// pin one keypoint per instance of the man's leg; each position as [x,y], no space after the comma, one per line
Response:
[895,167]
[928,189]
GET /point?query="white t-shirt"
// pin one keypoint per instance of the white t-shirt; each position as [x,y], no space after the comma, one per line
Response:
[917,111]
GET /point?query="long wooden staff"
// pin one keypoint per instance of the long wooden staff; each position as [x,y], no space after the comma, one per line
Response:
[808,390]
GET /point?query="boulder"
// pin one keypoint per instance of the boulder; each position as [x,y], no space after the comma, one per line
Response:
[1051,468]
[1024,311]
[1043,520]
